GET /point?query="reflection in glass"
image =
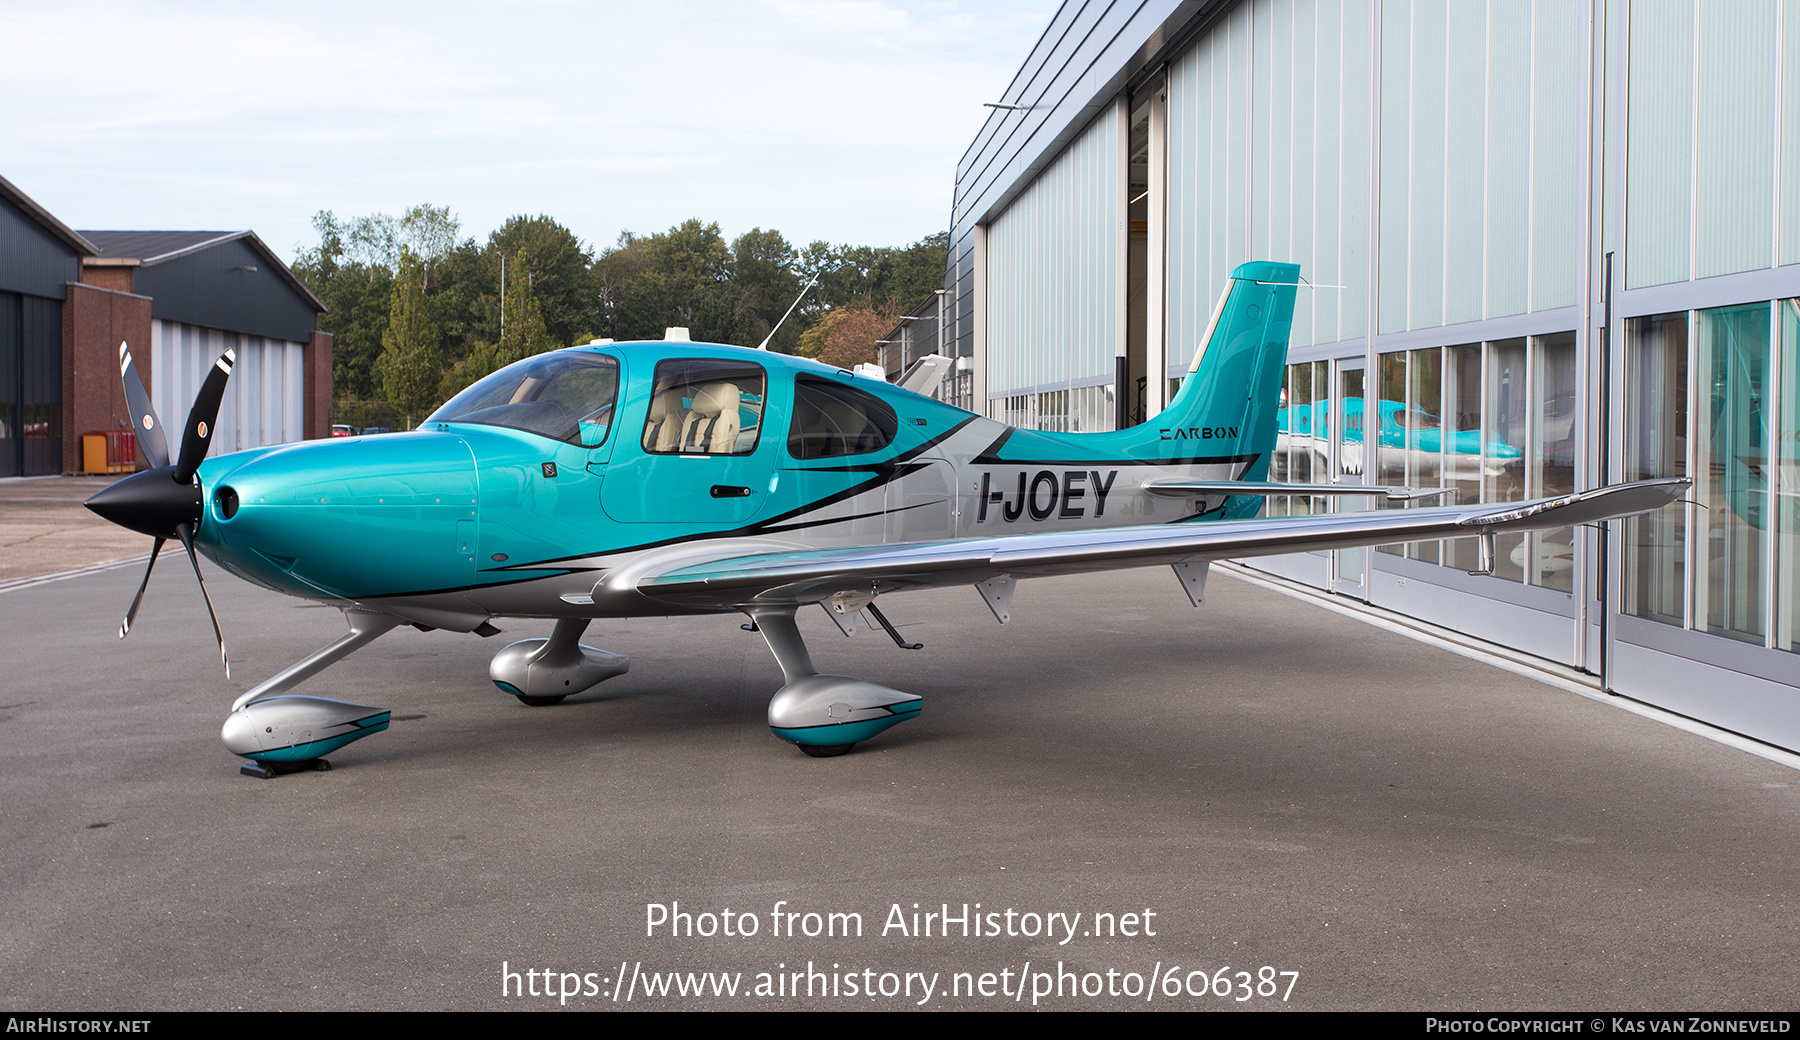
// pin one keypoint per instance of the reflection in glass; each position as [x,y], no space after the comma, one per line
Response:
[1552,459]
[1732,481]
[1277,505]
[1391,442]
[1656,443]
[1508,410]
[567,396]
[1422,426]
[1787,473]
[1300,445]
[1464,458]
[1350,401]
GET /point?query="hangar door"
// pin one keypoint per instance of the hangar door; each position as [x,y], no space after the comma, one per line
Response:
[30,386]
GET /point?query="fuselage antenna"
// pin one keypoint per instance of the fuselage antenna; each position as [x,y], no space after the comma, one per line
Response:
[764,345]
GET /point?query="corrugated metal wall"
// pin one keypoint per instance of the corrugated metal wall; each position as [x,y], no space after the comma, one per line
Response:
[1053,297]
[265,401]
[1701,172]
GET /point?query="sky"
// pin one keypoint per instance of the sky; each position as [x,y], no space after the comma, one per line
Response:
[839,120]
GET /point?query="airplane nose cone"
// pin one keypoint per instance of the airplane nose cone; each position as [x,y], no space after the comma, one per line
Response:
[149,502]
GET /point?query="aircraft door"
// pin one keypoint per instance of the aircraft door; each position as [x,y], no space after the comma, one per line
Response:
[921,503]
[694,451]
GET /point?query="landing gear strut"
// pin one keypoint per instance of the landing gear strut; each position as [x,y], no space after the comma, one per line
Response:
[280,732]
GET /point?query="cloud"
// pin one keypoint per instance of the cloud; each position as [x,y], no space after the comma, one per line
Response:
[604,116]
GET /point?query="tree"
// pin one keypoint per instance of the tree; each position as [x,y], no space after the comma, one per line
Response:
[560,274]
[614,271]
[429,233]
[358,294]
[410,366]
[848,336]
[678,280]
[763,284]
[525,331]
[876,276]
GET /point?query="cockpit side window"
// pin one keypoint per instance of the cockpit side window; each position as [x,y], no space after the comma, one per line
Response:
[832,419]
[702,406]
[567,396]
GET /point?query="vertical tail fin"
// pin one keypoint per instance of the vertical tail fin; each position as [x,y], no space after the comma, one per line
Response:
[1233,388]
[1226,407]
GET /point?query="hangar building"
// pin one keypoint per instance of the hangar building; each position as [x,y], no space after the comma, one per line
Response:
[180,299]
[1555,244]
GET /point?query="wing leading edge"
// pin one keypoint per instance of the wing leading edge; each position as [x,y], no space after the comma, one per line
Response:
[810,576]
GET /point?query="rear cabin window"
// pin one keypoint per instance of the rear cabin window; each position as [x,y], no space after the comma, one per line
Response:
[832,419]
[705,407]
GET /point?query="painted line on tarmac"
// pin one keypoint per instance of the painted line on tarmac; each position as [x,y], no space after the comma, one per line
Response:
[1480,650]
[45,579]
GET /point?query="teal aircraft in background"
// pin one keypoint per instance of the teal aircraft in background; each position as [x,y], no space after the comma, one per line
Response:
[658,478]
[1404,436]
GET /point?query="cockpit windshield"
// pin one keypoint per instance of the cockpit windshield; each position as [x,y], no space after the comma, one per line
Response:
[566,396]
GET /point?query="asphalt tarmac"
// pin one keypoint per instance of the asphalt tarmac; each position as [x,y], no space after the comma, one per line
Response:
[1287,790]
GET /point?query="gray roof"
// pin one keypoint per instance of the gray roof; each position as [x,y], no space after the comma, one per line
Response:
[148,247]
[153,247]
[49,223]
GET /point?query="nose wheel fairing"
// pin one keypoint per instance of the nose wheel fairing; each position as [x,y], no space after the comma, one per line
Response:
[298,729]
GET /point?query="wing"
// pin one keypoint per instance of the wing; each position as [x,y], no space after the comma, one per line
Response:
[796,577]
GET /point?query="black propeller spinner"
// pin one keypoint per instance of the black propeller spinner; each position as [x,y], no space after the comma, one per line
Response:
[164,500]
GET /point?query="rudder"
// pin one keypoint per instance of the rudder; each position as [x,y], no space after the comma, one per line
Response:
[1233,387]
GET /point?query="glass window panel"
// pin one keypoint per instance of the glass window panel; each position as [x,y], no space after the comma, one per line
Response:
[705,407]
[1306,414]
[1552,464]
[1656,445]
[1508,411]
[1350,389]
[564,395]
[1787,474]
[1732,480]
[1276,505]
[1422,425]
[832,419]
[1463,457]
[1390,436]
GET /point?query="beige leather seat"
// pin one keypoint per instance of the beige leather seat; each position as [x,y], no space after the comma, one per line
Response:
[662,431]
[712,424]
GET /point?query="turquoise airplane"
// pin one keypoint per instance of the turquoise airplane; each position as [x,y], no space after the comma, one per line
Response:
[1401,431]
[659,478]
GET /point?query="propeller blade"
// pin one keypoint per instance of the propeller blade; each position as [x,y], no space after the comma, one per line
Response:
[144,422]
[136,601]
[200,420]
[186,533]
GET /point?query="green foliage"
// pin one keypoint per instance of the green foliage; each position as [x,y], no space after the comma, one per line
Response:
[874,276]
[764,283]
[410,366]
[556,268]
[673,278]
[847,336]
[357,293]
[525,331]
[558,293]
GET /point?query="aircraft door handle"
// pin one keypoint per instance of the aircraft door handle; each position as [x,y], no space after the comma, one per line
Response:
[730,491]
